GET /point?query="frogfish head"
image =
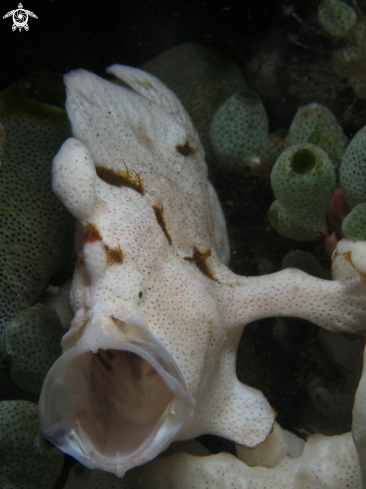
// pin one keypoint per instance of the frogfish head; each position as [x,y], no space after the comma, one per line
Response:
[115,399]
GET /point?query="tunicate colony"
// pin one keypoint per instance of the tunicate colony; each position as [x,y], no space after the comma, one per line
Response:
[304,175]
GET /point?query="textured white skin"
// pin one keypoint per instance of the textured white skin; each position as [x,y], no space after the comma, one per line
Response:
[359,421]
[326,462]
[278,444]
[329,462]
[82,478]
[356,250]
[156,296]
[75,183]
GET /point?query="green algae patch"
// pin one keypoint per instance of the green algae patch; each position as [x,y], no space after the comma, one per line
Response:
[32,343]
[354,225]
[27,461]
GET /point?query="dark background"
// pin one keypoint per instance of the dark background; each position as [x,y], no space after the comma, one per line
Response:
[70,35]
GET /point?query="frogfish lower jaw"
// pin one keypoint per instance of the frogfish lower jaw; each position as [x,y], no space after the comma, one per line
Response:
[116,405]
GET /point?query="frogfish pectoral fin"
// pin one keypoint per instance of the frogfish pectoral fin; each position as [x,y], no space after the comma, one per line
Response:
[226,407]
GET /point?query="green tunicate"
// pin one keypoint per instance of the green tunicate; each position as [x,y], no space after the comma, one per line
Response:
[303,180]
[348,61]
[27,461]
[32,344]
[316,124]
[354,225]
[336,17]
[314,137]
[360,34]
[303,161]
[36,230]
[283,224]
[9,390]
[239,130]
[352,174]
[306,262]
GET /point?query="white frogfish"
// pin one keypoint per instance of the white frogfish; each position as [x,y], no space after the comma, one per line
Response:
[151,352]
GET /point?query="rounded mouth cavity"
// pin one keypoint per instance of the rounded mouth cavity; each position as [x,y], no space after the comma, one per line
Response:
[126,398]
[107,407]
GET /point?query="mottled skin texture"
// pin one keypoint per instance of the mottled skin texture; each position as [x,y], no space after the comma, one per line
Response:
[152,283]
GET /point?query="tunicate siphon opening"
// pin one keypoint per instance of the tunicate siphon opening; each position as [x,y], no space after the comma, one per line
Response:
[314,137]
[303,161]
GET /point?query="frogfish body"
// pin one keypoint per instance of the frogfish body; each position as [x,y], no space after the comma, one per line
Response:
[150,355]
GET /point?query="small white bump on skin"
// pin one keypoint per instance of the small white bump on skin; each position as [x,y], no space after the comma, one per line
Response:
[74,184]
[95,260]
[356,250]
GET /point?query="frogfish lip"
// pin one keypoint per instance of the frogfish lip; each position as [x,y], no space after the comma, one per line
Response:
[115,399]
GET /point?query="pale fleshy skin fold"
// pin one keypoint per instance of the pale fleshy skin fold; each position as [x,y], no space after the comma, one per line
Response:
[150,355]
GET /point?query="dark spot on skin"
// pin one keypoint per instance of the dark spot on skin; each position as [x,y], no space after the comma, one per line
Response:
[200,260]
[185,150]
[159,214]
[114,255]
[91,233]
[121,178]
[79,262]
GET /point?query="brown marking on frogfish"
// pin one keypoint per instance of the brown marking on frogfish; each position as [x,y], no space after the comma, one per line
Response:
[121,178]
[79,262]
[185,149]
[159,214]
[114,255]
[91,232]
[200,260]
[261,443]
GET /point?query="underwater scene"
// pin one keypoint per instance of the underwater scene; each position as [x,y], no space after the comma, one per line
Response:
[183,245]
